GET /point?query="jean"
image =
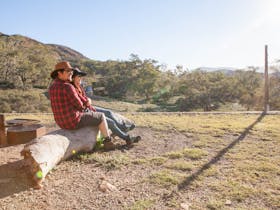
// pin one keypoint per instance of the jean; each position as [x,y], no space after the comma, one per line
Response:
[113,123]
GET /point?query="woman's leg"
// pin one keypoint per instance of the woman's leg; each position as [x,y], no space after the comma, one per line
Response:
[118,132]
[108,113]
[115,129]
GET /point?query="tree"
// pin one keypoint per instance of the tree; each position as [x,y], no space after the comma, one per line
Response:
[274,90]
[146,81]
[202,89]
[248,84]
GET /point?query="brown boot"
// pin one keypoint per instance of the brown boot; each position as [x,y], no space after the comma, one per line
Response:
[108,144]
[133,139]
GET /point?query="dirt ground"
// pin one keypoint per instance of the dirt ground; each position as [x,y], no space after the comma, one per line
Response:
[75,184]
[139,177]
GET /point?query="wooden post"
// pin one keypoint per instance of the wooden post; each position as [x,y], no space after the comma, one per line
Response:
[266,90]
[3,138]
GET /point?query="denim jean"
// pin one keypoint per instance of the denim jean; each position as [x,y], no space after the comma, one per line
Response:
[113,124]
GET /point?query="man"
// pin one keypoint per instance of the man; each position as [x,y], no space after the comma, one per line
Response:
[68,108]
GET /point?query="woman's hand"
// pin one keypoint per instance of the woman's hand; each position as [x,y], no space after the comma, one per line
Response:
[89,101]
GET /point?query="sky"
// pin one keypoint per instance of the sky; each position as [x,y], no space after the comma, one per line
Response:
[190,33]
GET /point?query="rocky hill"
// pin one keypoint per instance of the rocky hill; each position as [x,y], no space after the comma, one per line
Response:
[26,62]
[9,43]
[66,53]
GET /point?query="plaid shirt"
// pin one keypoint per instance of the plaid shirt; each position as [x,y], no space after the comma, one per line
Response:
[82,95]
[66,104]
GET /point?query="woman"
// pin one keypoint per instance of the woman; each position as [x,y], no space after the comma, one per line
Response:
[114,125]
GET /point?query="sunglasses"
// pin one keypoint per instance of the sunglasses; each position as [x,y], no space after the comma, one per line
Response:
[68,70]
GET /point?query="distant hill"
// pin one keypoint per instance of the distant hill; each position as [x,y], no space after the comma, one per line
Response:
[25,62]
[225,70]
[230,71]
[67,53]
[10,43]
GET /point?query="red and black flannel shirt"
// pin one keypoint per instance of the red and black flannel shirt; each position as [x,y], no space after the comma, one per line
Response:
[66,105]
[82,95]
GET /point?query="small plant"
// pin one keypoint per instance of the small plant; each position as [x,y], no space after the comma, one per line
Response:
[157,160]
[180,165]
[142,204]
[165,178]
[139,161]
[194,153]
[99,141]
[214,204]
[174,155]
[109,161]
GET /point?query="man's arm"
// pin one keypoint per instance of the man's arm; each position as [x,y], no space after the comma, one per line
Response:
[73,97]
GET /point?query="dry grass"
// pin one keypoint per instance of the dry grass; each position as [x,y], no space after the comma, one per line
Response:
[239,168]
[248,173]
[165,178]
[141,204]
[107,161]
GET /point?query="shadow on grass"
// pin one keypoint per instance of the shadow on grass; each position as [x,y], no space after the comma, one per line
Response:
[217,157]
[13,178]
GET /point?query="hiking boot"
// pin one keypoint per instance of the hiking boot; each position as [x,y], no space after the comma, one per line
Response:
[126,128]
[133,139]
[132,127]
[108,144]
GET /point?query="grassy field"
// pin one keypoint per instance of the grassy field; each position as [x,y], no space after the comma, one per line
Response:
[234,159]
[229,162]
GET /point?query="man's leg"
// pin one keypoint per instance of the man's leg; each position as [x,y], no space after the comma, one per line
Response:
[97,119]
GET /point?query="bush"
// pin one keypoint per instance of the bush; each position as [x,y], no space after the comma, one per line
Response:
[21,101]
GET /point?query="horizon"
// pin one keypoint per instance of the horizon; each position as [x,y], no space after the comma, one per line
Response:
[210,34]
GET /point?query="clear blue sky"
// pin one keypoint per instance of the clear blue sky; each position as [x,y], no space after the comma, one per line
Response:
[192,33]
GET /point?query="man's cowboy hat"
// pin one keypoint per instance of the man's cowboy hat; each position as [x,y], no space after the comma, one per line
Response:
[59,67]
[78,72]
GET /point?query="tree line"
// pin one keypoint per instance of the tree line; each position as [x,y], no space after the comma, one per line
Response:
[182,90]
[143,81]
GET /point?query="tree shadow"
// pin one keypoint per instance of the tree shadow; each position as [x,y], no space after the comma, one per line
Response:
[218,156]
[13,178]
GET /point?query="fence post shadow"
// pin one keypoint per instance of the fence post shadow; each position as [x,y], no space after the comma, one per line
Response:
[218,156]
